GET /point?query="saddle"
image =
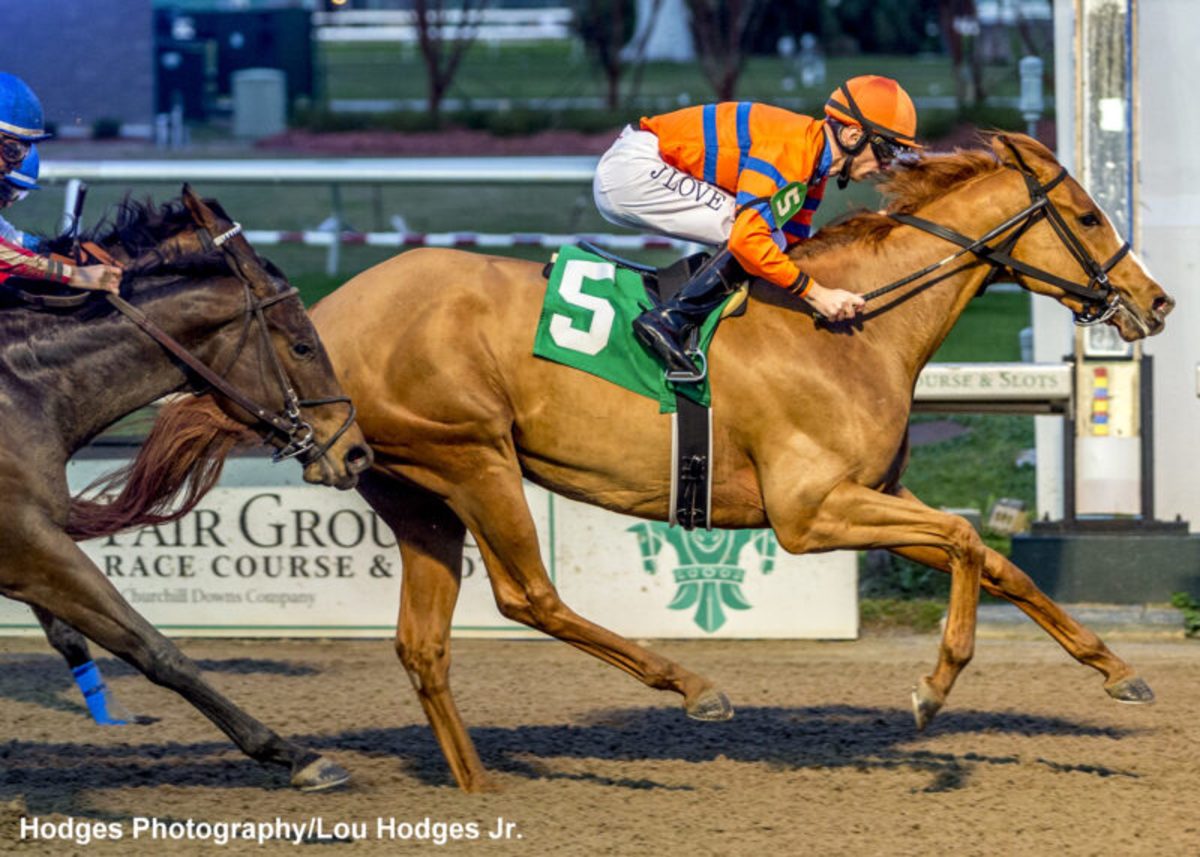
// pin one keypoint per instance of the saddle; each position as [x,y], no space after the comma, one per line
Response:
[691,420]
[662,284]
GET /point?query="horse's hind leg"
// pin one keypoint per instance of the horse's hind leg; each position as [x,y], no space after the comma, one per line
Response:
[430,538]
[1002,578]
[492,504]
[72,645]
[45,569]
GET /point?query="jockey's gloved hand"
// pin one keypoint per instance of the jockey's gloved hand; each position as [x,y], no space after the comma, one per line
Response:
[101,278]
[834,304]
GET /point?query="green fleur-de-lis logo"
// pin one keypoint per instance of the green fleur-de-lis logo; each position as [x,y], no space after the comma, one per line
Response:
[708,574]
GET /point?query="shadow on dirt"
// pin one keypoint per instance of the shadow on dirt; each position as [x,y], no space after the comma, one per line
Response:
[814,737]
[48,776]
[45,680]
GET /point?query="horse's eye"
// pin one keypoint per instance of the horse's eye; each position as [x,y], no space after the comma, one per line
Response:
[1089,219]
[303,349]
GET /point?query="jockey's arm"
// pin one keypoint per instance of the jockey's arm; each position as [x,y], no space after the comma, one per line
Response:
[753,245]
[16,261]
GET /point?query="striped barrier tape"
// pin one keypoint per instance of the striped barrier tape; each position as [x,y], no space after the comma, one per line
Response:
[324,238]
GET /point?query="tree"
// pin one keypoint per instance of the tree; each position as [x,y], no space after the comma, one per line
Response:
[722,30]
[959,23]
[444,37]
[605,26]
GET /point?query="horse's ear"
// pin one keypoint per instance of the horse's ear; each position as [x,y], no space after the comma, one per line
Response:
[1024,153]
[235,245]
[195,204]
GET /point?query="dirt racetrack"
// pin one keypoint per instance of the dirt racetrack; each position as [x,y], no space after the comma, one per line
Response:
[1030,757]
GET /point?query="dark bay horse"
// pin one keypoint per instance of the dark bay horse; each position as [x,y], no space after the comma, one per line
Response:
[809,421]
[198,309]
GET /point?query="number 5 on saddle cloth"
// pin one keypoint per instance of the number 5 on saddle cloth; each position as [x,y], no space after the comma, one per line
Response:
[591,301]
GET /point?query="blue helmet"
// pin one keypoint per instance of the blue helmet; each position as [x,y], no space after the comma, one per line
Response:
[20,110]
[26,175]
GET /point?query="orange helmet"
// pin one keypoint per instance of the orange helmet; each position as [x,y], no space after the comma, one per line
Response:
[877,104]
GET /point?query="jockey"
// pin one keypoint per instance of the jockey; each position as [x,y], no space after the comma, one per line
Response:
[20,128]
[752,175]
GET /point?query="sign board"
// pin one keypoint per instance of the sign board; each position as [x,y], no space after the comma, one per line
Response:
[1011,383]
[266,555]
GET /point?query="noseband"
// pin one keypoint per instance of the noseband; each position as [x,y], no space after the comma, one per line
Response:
[289,424]
[1099,297]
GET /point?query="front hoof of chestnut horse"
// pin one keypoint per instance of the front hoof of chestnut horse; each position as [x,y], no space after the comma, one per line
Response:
[1132,691]
[926,703]
[483,785]
[711,704]
[318,775]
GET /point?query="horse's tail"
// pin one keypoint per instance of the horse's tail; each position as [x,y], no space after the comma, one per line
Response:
[179,462]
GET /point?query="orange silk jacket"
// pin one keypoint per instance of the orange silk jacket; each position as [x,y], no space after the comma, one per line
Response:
[751,150]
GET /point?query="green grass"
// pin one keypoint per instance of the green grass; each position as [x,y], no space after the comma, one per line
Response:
[886,614]
[385,70]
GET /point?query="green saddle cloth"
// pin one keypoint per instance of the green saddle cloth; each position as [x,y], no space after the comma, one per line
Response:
[586,323]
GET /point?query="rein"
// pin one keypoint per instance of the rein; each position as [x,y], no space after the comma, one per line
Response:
[1100,299]
[296,433]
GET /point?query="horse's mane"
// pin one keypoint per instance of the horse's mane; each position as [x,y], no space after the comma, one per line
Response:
[907,188]
[139,227]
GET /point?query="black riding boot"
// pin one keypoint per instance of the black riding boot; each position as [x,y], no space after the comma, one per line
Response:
[665,328]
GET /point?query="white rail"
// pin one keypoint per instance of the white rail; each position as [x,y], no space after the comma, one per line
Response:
[576,169]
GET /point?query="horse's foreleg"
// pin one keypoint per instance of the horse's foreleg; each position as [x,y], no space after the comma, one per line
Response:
[492,503]
[1002,578]
[49,570]
[854,517]
[72,645]
[430,538]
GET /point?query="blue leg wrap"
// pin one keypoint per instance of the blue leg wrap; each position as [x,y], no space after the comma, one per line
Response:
[95,694]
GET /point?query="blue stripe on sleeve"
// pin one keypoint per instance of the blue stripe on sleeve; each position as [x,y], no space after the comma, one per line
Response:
[743,133]
[811,203]
[768,170]
[710,143]
[763,210]
[797,230]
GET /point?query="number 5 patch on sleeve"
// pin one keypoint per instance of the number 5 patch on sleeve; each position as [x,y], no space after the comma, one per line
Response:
[787,202]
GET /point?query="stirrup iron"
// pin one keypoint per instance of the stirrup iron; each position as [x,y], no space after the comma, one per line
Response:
[690,377]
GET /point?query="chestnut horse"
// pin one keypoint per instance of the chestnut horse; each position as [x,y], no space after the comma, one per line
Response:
[809,421]
[194,296]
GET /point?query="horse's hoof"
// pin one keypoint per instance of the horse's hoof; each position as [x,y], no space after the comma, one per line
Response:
[710,705]
[482,785]
[318,775]
[1132,691]
[925,703]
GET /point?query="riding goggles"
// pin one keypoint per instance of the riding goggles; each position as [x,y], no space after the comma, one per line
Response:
[13,150]
[885,149]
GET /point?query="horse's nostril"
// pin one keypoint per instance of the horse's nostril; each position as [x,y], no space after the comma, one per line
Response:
[358,458]
[1162,305]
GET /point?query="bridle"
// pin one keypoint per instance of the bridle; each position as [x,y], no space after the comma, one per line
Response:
[1100,299]
[288,424]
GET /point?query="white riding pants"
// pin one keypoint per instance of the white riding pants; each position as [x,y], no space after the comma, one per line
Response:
[636,188]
